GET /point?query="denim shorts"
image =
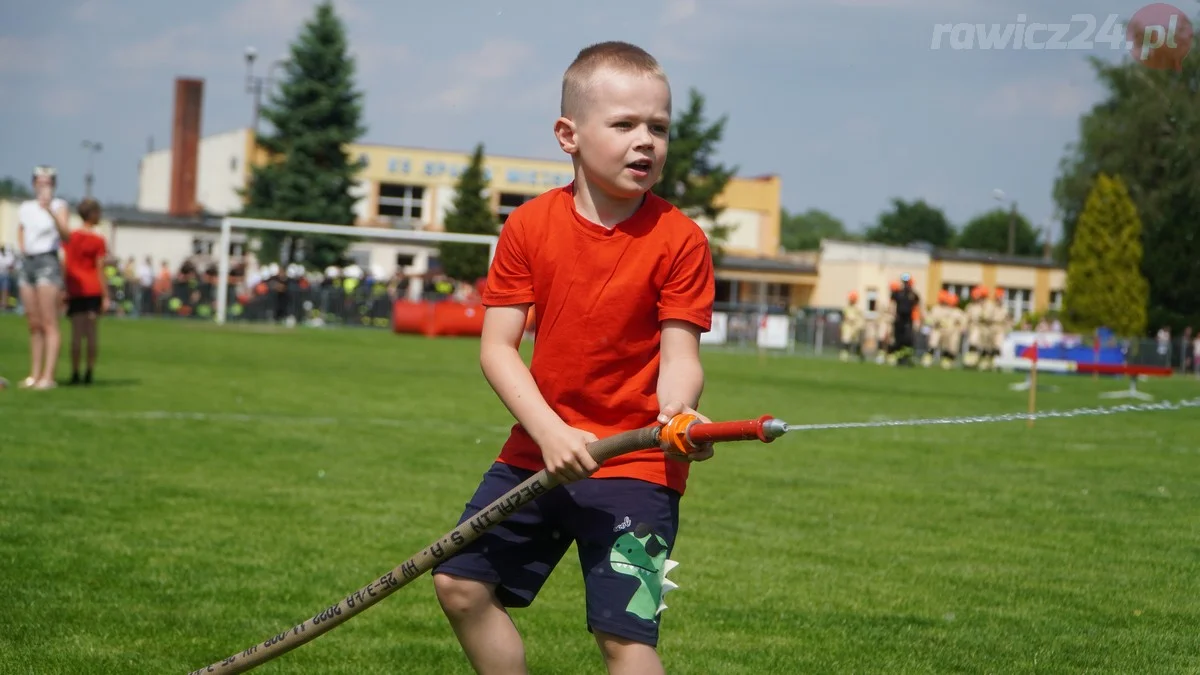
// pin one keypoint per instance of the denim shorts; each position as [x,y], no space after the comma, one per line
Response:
[624,530]
[42,268]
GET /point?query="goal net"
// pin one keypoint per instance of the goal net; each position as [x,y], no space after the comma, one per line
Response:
[379,266]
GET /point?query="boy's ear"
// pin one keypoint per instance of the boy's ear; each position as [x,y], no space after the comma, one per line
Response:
[565,131]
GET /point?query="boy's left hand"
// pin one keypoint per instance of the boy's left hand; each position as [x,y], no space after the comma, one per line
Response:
[703,450]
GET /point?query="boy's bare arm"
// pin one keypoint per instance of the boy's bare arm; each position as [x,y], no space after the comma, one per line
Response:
[506,371]
[680,376]
[104,301]
[564,448]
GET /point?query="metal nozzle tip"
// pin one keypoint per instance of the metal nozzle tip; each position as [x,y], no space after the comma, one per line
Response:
[775,428]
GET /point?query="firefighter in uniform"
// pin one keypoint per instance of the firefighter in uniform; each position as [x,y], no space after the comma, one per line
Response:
[905,304]
[975,328]
[853,323]
[952,335]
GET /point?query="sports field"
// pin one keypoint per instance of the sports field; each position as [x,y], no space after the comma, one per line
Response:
[218,485]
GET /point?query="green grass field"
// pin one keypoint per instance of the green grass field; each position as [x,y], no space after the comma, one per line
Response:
[219,485]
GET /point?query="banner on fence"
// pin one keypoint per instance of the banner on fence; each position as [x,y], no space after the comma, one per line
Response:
[773,331]
[719,332]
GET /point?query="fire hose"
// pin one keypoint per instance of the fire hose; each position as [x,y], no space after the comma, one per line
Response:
[680,437]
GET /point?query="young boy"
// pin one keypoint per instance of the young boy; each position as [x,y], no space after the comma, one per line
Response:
[622,284]
[87,290]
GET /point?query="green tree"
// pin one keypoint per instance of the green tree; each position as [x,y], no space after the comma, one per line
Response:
[470,214]
[692,179]
[907,223]
[315,115]
[1105,286]
[804,231]
[1146,129]
[11,188]
[989,232]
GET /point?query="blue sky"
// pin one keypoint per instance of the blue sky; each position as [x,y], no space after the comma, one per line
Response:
[844,99]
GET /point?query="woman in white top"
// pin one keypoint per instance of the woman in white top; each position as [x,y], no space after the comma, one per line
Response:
[40,222]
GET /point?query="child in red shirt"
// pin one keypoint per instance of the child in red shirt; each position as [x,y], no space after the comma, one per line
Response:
[87,292]
[622,285]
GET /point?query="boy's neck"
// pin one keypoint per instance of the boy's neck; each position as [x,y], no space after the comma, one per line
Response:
[602,209]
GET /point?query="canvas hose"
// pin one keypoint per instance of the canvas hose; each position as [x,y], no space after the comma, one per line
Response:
[450,544]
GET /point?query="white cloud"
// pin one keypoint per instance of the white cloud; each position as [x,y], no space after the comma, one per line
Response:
[381,57]
[184,47]
[1038,96]
[495,59]
[90,10]
[677,11]
[260,17]
[907,5]
[480,75]
[64,101]
[22,56]
[278,18]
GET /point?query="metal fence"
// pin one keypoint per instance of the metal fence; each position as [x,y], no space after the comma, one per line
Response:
[818,333]
[809,332]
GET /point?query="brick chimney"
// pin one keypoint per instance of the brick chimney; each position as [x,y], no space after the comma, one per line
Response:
[185,145]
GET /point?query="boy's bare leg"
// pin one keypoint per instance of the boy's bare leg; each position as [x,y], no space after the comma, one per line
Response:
[484,629]
[93,347]
[626,657]
[78,329]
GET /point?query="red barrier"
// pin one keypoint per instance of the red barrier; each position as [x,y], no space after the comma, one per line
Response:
[1122,369]
[432,319]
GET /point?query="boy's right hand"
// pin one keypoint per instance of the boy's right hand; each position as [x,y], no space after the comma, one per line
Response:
[564,450]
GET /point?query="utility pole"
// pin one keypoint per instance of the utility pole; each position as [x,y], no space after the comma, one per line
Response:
[256,85]
[999,196]
[92,148]
[1012,229]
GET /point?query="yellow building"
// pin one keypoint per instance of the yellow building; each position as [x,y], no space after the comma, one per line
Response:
[1029,284]
[405,187]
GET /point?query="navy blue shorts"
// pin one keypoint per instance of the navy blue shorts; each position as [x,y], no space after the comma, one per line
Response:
[624,530]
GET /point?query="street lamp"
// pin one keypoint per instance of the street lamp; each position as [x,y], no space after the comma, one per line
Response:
[92,148]
[1048,232]
[255,84]
[999,196]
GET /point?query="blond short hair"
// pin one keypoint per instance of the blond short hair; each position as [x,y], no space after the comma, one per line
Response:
[619,56]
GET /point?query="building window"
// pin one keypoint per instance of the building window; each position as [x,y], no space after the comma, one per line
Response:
[726,291]
[1018,301]
[962,291]
[402,203]
[872,300]
[778,295]
[1056,301]
[508,203]
[202,246]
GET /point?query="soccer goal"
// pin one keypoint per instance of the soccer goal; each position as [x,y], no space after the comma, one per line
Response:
[371,243]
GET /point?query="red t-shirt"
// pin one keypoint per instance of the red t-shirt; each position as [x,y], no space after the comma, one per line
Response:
[601,296]
[85,251]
